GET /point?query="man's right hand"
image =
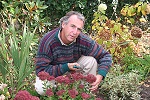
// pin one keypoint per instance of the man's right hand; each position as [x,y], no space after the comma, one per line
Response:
[70,66]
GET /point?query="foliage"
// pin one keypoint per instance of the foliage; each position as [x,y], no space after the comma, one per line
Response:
[115,36]
[117,5]
[120,86]
[56,9]
[17,63]
[29,11]
[135,14]
[141,64]
[19,22]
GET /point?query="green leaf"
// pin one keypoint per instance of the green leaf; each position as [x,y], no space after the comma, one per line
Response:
[115,27]
[132,20]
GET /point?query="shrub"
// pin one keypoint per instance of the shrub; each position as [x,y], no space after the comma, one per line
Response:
[120,86]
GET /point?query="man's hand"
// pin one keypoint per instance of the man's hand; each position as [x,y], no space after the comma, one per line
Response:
[70,66]
[96,83]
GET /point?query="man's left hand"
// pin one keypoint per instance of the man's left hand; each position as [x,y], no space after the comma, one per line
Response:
[96,83]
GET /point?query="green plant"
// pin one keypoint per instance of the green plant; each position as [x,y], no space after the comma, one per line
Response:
[141,64]
[121,86]
[20,20]
[56,9]
[29,11]
[16,58]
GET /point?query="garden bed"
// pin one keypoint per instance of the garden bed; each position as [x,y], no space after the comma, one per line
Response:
[145,93]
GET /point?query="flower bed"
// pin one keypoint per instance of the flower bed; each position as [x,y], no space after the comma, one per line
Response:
[71,86]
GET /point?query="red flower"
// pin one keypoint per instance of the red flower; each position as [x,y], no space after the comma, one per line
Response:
[22,95]
[25,95]
[35,98]
[43,75]
[67,80]
[81,86]
[60,92]
[73,93]
[97,99]
[90,78]
[77,76]
[85,96]
[60,79]
[49,92]
[50,78]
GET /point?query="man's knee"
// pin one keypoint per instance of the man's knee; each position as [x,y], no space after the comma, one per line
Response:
[88,60]
[92,60]
[89,63]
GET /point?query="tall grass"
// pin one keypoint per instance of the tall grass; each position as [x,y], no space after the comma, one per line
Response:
[15,62]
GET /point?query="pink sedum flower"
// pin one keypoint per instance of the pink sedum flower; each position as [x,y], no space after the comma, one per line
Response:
[73,93]
[60,79]
[50,78]
[49,92]
[77,76]
[85,96]
[60,92]
[81,86]
[25,95]
[67,86]
[43,75]
[67,80]
[97,99]
[90,78]
[22,95]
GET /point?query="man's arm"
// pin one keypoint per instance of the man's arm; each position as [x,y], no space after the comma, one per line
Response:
[43,64]
[103,57]
[104,61]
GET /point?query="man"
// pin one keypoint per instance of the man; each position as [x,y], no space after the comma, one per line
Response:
[66,46]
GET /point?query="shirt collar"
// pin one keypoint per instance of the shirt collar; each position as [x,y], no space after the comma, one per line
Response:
[62,41]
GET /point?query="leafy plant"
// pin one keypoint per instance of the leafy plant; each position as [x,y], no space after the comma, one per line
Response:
[16,58]
[19,22]
[141,64]
[121,86]
[132,13]
[136,15]
[114,35]
[29,11]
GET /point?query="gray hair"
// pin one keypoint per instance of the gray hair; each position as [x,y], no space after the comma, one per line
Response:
[65,19]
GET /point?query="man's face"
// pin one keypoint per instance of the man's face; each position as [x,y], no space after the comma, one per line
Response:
[71,30]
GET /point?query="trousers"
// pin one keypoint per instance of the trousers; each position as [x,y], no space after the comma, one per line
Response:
[90,67]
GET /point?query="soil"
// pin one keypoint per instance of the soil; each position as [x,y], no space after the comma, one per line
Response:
[145,93]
